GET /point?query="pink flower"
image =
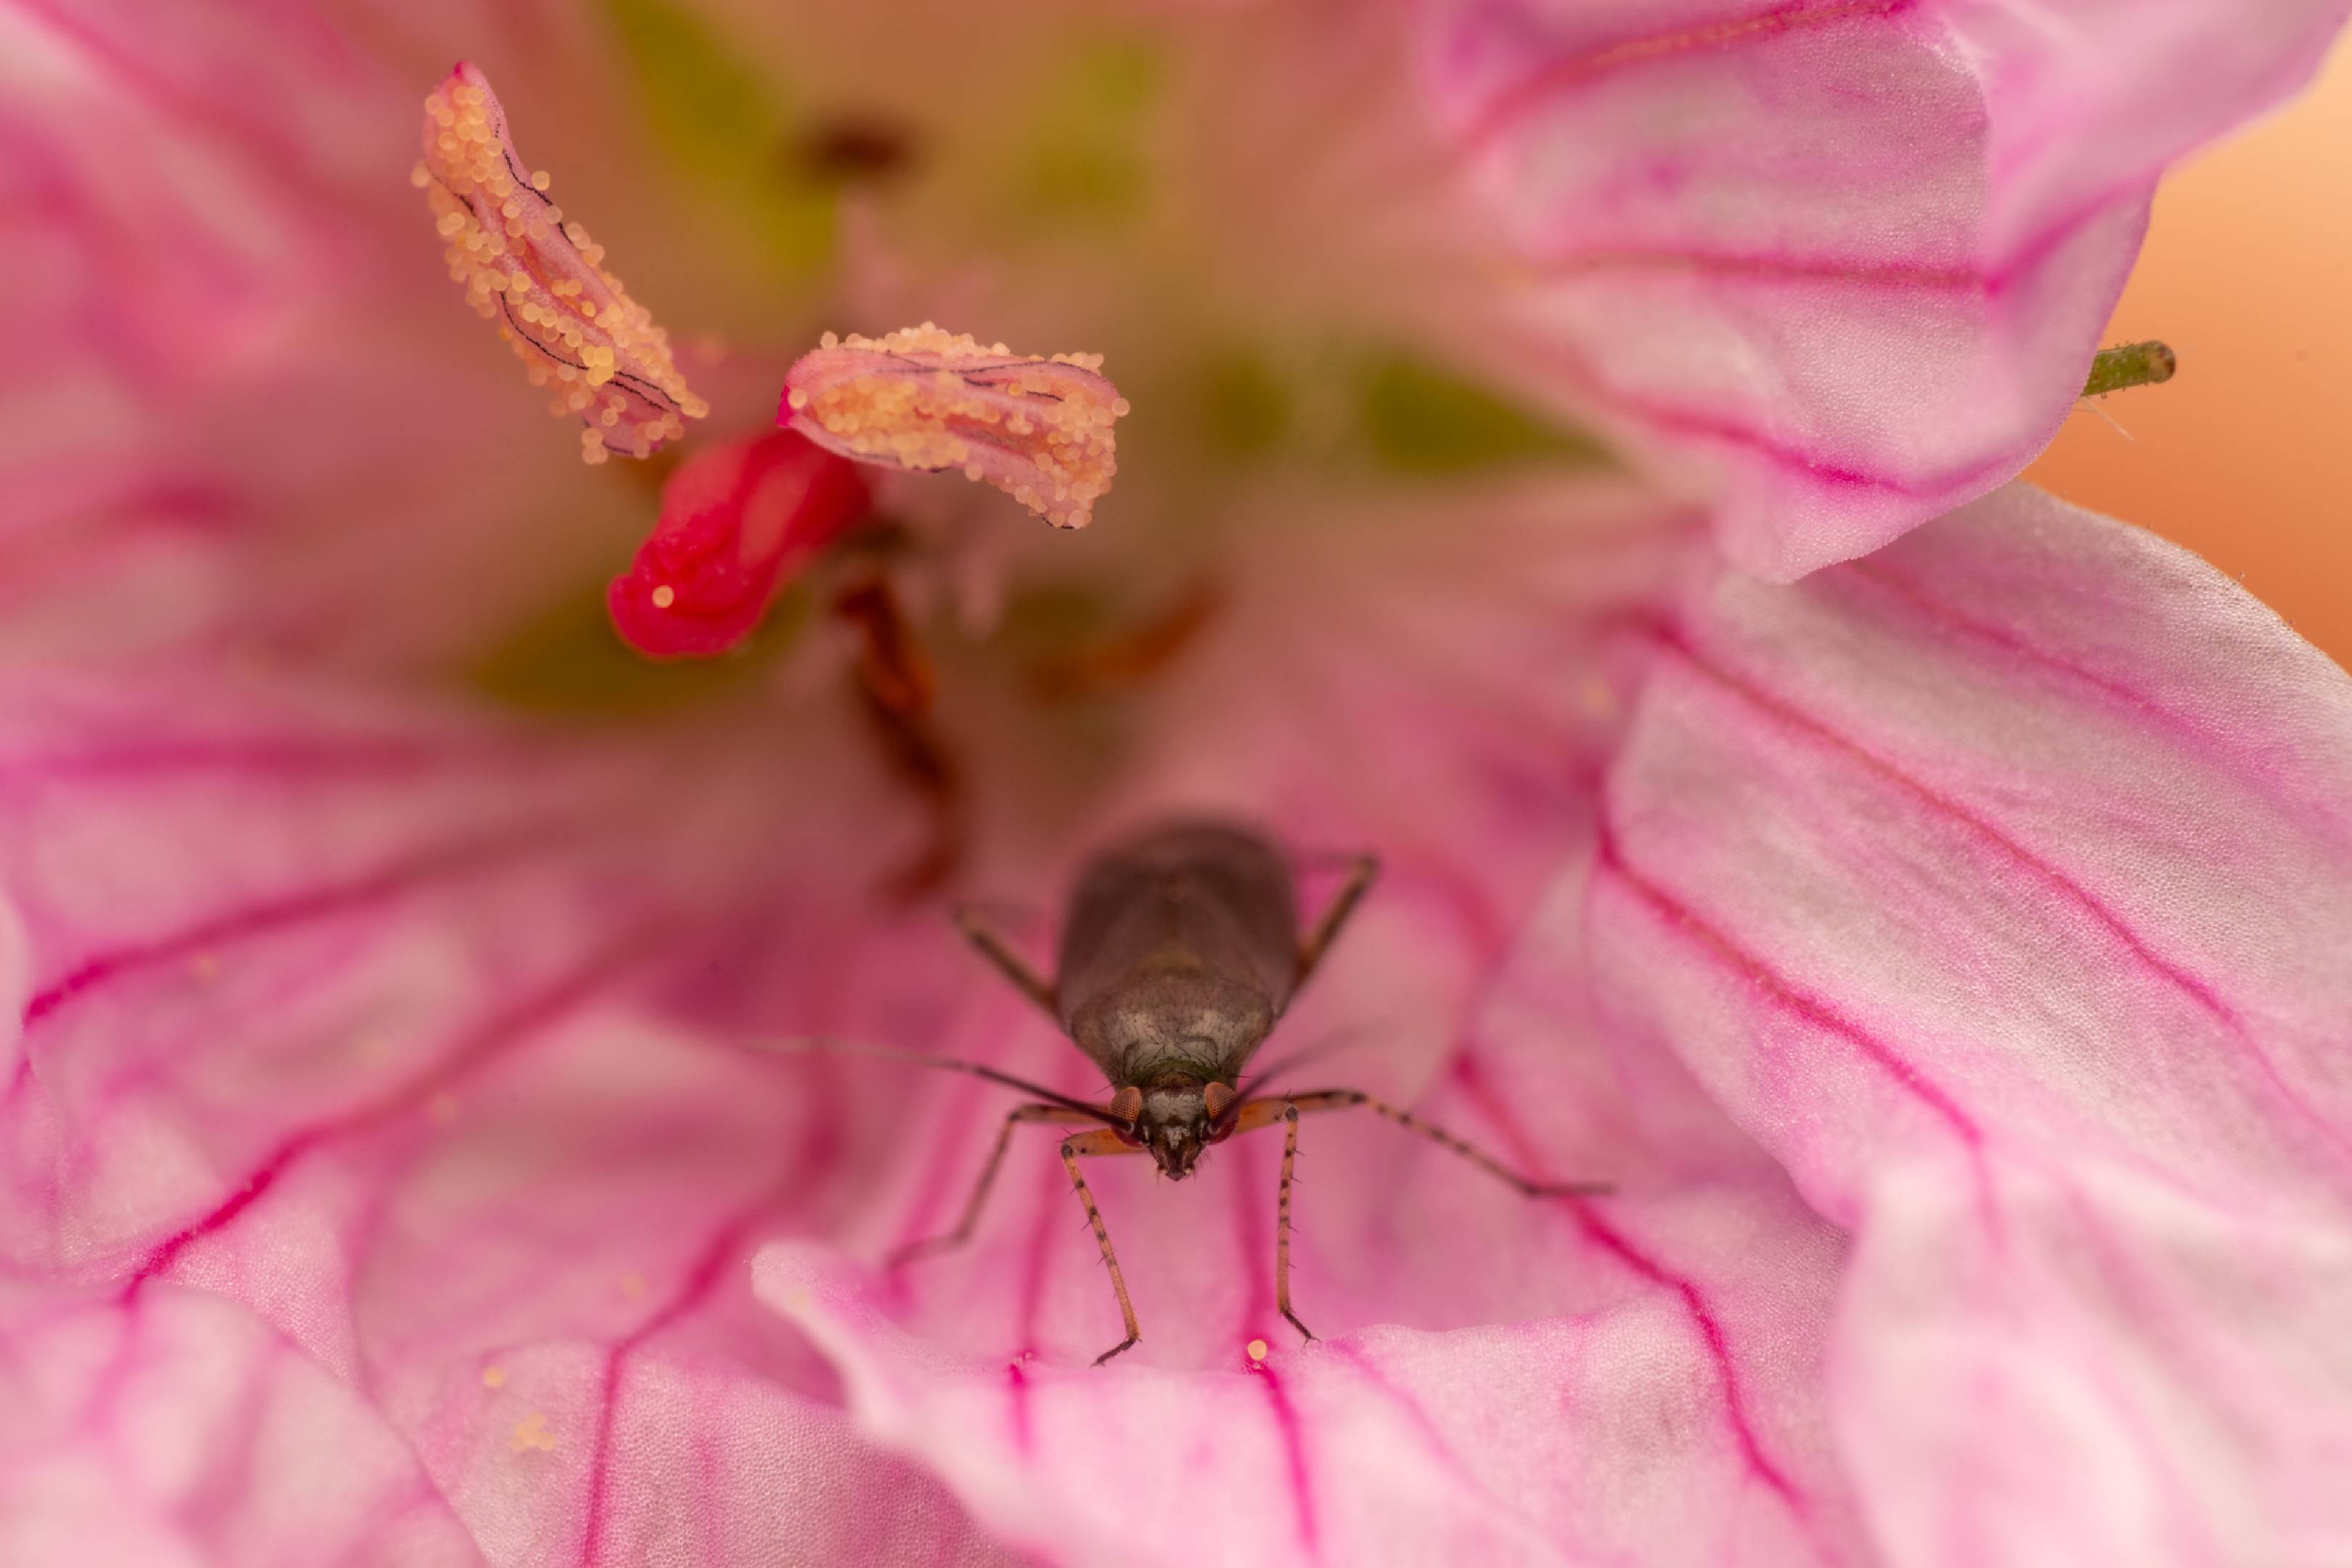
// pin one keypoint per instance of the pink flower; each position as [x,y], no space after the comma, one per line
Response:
[1937,955]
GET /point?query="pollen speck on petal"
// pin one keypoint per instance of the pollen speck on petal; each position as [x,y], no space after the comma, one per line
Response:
[926,400]
[738,520]
[567,319]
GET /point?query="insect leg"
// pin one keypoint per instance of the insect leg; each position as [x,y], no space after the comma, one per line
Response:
[972,1206]
[1347,1099]
[1088,1145]
[1362,870]
[1282,1221]
[979,932]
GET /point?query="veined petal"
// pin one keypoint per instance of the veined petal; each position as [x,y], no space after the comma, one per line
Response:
[1856,252]
[349,1017]
[1038,429]
[1601,1434]
[539,276]
[1998,886]
[183,1431]
[1627,1379]
[738,520]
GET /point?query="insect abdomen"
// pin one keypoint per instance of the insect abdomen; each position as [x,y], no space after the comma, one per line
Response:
[1180,943]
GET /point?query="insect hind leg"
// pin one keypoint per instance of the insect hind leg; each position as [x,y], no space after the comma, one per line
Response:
[1362,871]
[995,947]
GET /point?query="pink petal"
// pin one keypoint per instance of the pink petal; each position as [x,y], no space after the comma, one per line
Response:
[738,523]
[1856,256]
[1565,1440]
[1634,1379]
[539,276]
[1998,885]
[348,1019]
[1038,429]
[166,179]
[183,1431]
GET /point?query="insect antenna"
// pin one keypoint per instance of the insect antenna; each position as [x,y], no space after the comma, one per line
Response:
[1337,1043]
[812,1045]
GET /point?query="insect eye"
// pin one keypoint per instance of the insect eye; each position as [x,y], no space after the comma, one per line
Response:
[1126,1104]
[1215,1099]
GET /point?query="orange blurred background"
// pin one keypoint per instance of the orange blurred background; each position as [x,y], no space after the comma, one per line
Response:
[2245,457]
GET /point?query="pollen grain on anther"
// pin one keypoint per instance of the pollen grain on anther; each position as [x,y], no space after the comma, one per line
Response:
[579,335]
[928,401]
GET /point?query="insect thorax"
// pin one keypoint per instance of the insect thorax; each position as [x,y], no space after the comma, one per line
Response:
[1169,1028]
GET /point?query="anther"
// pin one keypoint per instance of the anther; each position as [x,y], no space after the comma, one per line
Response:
[924,400]
[565,317]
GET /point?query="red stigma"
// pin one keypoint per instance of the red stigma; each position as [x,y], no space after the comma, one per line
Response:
[738,521]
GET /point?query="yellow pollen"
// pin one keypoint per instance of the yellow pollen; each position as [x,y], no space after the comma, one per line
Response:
[567,319]
[922,398]
[494,1377]
[1256,1349]
[664,596]
[531,1432]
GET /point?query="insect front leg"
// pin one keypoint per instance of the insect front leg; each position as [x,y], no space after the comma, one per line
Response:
[1282,1221]
[1362,870]
[1260,1113]
[1087,1145]
[972,1206]
[1265,1112]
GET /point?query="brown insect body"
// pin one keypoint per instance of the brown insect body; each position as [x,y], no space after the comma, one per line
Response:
[1180,950]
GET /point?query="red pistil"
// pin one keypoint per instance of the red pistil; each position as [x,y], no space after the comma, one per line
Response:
[738,521]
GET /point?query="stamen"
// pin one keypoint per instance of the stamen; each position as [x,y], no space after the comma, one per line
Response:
[542,279]
[738,520]
[924,400]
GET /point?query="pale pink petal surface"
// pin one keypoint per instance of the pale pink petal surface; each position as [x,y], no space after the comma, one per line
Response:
[355,1091]
[1853,255]
[1998,886]
[186,1432]
[385,1083]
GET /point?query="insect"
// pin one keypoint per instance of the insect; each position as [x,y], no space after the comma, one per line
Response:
[2132,364]
[1180,950]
